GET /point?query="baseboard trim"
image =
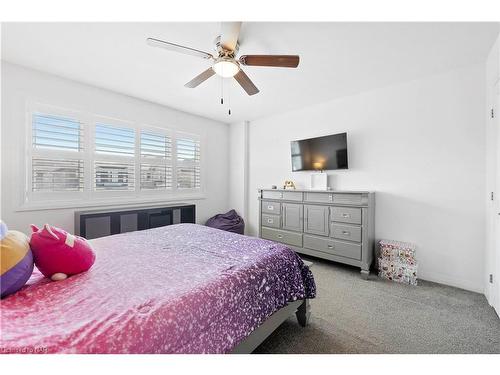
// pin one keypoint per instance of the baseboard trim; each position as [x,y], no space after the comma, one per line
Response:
[451,281]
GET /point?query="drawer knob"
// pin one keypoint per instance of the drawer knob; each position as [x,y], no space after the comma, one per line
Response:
[270,221]
[280,236]
[347,233]
[330,197]
[270,207]
[346,215]
[330,246]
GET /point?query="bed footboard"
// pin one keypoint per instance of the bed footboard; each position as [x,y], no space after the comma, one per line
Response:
[300,308]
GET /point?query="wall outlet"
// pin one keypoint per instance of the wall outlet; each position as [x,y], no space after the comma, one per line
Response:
[491,278]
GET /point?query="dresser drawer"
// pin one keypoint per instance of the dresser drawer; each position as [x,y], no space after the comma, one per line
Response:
[275,194]
[357,199]
[346,215]
[340,248]
[289,238]
[292,196]
[271,207]
[345,232]
[318,197]
[272,221]
[283,195]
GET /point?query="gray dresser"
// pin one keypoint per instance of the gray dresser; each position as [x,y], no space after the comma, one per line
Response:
[334,225]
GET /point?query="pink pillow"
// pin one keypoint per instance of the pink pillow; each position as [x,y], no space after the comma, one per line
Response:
[59,254]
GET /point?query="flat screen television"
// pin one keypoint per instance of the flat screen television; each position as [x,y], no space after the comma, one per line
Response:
[321,153]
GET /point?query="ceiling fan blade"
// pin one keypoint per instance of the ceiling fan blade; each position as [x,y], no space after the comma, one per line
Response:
[229,35]
[200,78]
[246,83]
[283,61]
[178,48]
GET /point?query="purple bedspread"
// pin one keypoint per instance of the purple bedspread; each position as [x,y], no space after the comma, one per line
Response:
[179,289]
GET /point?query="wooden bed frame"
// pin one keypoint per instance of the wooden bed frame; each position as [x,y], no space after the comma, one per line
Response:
[302,310]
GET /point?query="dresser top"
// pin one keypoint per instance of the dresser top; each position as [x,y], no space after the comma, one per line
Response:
[320,191]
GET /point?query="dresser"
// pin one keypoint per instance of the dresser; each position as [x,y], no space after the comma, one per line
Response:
[333,225]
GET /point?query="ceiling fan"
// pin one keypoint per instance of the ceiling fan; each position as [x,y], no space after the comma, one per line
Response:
[225,64]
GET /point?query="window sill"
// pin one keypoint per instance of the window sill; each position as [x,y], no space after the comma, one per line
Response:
[97,203]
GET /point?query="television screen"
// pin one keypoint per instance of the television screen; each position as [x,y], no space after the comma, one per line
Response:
[321,153]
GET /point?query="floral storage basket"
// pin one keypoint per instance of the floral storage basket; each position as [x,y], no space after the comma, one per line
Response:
[397,262]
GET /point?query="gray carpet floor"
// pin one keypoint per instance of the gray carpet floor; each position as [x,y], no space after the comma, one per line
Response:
[352,315]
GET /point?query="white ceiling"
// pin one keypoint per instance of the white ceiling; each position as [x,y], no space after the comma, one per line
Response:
[336,59]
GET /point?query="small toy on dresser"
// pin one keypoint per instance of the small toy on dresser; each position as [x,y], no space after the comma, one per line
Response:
[397,262]
[59,254]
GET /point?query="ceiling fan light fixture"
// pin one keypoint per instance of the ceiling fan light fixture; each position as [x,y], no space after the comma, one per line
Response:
[226,68]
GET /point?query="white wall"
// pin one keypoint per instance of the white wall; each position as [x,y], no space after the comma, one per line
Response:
[20,85]
[420,145]
[238,168]
[492,258]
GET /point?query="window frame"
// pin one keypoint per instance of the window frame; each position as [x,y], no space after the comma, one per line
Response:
[89,197]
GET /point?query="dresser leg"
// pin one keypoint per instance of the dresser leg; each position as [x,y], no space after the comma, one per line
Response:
[365,274]
[303,313]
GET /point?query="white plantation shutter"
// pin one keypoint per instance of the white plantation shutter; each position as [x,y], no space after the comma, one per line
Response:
[188,178]
[113,140]
[56,157]
[155,145]
[188,163]
[114,164]
[156,177]
[57,133]
[188,150]
[114,176]
[57,175]
[156,160]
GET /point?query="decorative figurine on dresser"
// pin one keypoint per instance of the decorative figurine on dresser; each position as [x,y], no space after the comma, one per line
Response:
[333,225]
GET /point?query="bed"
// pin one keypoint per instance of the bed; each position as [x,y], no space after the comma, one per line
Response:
[183,288]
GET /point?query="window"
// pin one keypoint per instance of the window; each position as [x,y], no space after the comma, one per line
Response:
[188,150]
[156,160]
[113,140]
[155,145]
[86,156]
[57,175]
[57,133]
[188,163]
[57,154]
[114,176]
[114,159]
[156,177]
[188,177]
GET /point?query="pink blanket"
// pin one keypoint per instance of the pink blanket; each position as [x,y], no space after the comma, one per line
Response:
[178,289]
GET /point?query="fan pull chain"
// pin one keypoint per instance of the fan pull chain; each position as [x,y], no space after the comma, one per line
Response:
[221,90]
[229,98]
